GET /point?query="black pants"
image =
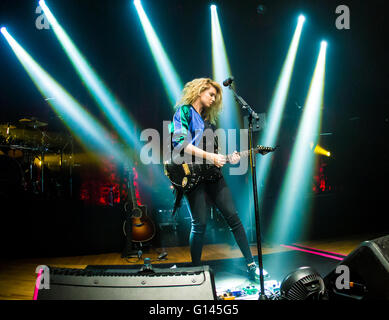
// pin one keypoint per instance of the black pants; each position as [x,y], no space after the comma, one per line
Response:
[200,202]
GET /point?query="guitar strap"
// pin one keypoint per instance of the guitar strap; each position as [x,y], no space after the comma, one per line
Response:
[178,194]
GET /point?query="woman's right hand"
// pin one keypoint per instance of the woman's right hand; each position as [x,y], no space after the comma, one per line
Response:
[219,160]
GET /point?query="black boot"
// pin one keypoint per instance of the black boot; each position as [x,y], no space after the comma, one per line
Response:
[253,272]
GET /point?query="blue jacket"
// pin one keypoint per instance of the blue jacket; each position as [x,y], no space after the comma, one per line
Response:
[187,126]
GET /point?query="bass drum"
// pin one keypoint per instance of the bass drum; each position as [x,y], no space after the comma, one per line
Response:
[11,176]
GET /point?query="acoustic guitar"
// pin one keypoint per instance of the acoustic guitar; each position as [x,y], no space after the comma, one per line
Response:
[142,227]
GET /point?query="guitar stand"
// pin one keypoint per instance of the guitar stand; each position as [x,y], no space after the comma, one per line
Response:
[134,249]
[129,253]
[128,250]
[141,246]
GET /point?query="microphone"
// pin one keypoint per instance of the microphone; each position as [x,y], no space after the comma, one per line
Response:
[228,81]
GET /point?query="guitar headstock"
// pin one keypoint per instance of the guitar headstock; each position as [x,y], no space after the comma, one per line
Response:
[263,150]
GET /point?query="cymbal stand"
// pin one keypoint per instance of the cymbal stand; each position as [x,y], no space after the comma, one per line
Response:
[42,163]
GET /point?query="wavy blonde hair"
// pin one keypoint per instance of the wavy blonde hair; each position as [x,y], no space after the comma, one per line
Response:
[194,88]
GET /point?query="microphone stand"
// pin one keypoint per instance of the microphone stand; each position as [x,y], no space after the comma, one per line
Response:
[252,115]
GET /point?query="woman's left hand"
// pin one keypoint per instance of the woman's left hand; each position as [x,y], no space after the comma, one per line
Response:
[234,158]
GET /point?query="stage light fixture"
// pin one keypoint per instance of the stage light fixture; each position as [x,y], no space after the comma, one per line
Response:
[3,30]
[320,150]
[170,79]
[305,283]
[261,9]
[293,204]
[114,112]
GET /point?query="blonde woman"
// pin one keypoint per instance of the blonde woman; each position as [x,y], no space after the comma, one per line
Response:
[197,111]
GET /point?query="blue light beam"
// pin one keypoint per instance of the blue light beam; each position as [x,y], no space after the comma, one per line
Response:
[171,81]
[115,113]
[292,205]
[277,106]
[82,124]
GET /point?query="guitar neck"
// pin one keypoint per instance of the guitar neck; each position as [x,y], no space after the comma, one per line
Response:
[242,154]
[132,189]
[246,153]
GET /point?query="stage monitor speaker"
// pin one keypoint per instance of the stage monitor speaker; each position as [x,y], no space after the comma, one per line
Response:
[368,270]
[195,283]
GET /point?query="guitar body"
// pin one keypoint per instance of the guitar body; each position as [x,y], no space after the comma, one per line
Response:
[143,228]
[185,177]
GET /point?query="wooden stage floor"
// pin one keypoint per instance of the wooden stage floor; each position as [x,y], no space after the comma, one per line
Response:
[17,276]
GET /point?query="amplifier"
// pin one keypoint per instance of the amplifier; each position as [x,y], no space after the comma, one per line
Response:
[165,217]
[195,283]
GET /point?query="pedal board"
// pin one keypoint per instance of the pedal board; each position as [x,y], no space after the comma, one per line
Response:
[251,292]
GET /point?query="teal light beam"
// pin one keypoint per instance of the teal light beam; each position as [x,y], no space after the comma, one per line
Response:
[170,79]
[277,106]
[230,117]
[114,112]
[78,120]
[292,204]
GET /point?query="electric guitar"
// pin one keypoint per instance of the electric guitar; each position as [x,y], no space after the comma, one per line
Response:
[143,228]
[186,176]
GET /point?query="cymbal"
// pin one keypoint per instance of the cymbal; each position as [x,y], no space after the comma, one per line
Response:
[5,126]
[33,122]
[25,120]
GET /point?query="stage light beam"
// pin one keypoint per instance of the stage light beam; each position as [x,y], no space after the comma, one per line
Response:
[293,202]
[120,120]
[230,117]
[115,113]
[78,120]
[170,79]
[277,105]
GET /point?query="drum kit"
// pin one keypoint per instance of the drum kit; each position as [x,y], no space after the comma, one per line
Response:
[28,151]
